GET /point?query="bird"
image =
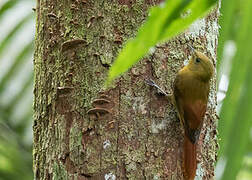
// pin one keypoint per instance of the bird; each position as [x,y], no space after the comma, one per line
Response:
[190,96]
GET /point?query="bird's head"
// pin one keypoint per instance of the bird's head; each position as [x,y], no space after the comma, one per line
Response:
[201,65]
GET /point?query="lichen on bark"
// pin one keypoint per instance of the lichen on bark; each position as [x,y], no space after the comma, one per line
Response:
[82,131]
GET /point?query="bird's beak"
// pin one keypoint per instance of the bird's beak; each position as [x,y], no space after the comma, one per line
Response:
[191,49]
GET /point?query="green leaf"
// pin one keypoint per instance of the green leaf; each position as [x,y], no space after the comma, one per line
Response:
[19,60]
[6,6]
[235,117]
[10,107]
[240,132]
[15,152]
[15,161]
[13,32]
[165,21]
[236,80]
[24,121]
[226,23]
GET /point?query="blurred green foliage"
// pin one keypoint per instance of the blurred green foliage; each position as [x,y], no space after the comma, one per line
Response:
[235,116]
[235,160]
[16,81]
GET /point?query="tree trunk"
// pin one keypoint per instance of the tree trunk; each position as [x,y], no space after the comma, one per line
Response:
[82,131]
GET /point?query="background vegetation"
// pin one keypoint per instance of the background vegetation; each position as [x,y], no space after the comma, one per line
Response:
[234,93]
[16,51]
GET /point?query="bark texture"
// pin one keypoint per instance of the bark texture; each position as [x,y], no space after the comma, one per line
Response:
[82,131]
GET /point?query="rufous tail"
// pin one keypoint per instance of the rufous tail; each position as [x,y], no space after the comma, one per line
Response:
[189,159]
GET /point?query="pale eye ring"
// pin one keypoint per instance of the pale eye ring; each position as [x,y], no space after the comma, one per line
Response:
[197,60]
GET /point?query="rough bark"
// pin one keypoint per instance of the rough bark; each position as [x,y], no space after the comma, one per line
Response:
[82,131]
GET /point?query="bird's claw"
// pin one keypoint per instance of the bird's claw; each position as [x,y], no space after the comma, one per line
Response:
[152,83]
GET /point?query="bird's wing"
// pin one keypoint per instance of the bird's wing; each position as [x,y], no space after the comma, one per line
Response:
[193,119]
[190,113]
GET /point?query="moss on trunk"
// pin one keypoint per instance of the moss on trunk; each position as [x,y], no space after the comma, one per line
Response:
[82,131]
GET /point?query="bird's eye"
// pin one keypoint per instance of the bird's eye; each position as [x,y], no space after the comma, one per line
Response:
[197,60]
